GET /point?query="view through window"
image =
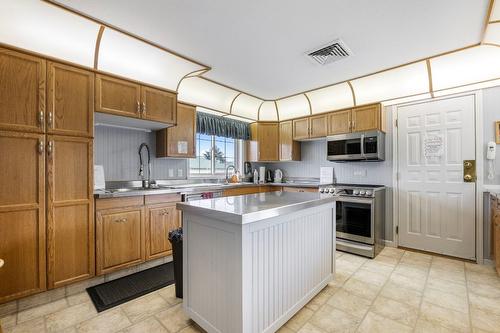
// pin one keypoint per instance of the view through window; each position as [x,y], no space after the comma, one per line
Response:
[213,155]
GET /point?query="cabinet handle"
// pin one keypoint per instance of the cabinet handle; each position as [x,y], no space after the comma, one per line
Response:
[143,107]
[41,118]
[123,219]
[353,125]
[50,148]
[138,107]
[49,119]
[40,146]
[2,262]
[164,212]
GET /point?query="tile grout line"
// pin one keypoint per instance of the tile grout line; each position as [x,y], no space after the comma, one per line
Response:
[423,293]
[471,326]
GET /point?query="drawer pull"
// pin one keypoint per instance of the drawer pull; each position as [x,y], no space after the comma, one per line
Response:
[143,108]
[41,118]
[123,219]
[2,262]
[164,212]
[49,119]
[41,146]
[138,107]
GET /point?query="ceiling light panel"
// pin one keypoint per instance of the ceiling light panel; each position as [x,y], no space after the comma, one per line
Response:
[407,99]
[246,106]
[492,34]
[268,111]
[469,66]
[334,97]
[470,87]
[43,28]
[495,12]
[239,118]
[395,83]
[293,107]
[205,93]
[129,57]
[205,110]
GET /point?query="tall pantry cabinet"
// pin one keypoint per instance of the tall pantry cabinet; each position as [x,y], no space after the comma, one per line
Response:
[46,199]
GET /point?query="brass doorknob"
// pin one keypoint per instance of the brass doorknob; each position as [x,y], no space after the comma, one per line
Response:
[467,164]
[2,262]
[467,178]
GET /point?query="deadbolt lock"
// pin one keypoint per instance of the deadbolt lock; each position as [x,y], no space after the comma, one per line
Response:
[469,171]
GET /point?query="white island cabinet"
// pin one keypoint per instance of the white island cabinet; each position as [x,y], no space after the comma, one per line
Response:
[252,261]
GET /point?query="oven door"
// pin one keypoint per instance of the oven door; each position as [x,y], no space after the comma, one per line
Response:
[355,219]
[345,147]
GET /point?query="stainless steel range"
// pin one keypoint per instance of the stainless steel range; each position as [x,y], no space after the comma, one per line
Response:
[360,217]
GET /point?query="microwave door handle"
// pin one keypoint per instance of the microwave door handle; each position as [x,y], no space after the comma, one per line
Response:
[362,145]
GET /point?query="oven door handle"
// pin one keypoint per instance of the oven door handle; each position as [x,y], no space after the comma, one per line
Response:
[354,199]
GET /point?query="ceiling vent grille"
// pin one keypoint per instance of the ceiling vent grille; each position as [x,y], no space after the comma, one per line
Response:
[336,50]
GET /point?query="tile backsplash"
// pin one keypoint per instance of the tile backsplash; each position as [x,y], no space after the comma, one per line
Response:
[117,150]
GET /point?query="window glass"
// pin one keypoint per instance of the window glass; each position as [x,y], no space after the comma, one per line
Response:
[213,155]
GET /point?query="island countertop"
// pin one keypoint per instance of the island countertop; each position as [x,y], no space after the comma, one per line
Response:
[250,208]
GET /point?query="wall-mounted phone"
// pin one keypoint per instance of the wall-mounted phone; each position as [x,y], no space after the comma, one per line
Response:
[491,149]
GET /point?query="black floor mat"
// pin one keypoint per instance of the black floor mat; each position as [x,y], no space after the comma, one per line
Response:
[113,293]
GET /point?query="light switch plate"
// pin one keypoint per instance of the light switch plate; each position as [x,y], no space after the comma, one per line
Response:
[180,173]
[360,173]
[171,172]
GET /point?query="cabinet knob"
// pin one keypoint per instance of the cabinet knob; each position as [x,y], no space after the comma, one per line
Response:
[41,118]
[123,219]
[41,146]
[144,107]
[50,148]
[138,107]
[2,262]
[50,119]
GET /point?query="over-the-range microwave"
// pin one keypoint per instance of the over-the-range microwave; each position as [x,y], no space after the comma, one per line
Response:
[360,146]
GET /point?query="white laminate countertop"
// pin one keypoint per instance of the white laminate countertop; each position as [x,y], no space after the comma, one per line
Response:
[249,208]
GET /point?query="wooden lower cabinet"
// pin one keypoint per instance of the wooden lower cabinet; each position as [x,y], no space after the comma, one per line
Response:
[160,220]
[495,224]
[119,238]
[249,190]
[22,215]
[299,189]
[70,210]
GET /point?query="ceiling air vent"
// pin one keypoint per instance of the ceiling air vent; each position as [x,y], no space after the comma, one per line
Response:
[334,51]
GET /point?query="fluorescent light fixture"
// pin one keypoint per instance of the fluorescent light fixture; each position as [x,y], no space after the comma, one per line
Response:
[246,106]
[399,82]
[239,118]
[495,12]
[470,87]
[407,99]
[293,107]
[205,110]
[129,57]
[198,91]
[468,66]
[334,97]
[492,34]
[268,111]
[39,27]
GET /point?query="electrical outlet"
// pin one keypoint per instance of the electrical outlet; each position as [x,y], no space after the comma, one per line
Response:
[171,173]
[180,173]
[360,173]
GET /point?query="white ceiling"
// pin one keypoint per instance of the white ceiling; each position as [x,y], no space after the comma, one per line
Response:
[258,46]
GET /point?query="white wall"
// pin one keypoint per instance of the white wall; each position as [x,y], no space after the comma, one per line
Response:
[118,151]
[491,113]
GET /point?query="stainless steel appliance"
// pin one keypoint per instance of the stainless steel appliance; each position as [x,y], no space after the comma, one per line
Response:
[360,146]
[360,217]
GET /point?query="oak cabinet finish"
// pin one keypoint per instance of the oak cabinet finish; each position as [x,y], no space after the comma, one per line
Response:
[70,217]
[495,224]
[339,122]
[301,129]
[299,189]
[318,126]
[119,97]
[119,238]
[264,143]
[367,118]
[169,140]
[22,215]
[22,92]
[289,149]
[249,190]
[70,100]
[160,220]
[158,105]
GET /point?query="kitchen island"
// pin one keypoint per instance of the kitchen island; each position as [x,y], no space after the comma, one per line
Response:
[252,261]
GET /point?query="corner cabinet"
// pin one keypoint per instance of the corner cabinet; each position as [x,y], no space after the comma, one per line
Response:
[264,142]
[289,149]
[129,99]
[179,140]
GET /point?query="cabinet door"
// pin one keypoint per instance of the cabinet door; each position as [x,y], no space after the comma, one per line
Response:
[289,149]
[22,92]
[496,232]
[252,146]
[160,220]
[70,212]
[318,126]
[159,105]
[117,97]
[339,122]
[366,118]
[22,214]
[299,189]
[120,238]
[301,129]
[268,136]
[70,100]
[180,140]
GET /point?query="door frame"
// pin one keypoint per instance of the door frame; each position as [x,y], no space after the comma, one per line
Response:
[478,130]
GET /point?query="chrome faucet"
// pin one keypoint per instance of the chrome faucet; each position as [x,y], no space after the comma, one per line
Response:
[146,183]
[227,171]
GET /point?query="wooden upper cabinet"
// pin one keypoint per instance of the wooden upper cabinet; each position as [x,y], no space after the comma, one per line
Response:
[267,137]
[367,118]
[289,149]
[70,210]
[70,100]
[160,220]
[119,238]
[339,122]
[301,129]
[22,214]
[318,126]
[158,105]
[117,96]
[22,92]
[180,140]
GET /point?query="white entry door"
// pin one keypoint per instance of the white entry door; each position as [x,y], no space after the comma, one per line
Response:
[436,207]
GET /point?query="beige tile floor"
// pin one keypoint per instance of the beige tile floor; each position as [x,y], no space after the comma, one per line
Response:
[399,291]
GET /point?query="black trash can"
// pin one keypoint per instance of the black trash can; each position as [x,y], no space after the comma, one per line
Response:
[175,238]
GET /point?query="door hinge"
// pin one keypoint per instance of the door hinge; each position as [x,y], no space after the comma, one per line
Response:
[397,230]
[396,123]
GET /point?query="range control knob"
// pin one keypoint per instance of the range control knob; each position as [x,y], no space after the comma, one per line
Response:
[368,193]
[362,192]
[321,190]
[355,192]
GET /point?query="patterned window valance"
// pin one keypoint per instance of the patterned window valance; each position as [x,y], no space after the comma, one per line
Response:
[220,126]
